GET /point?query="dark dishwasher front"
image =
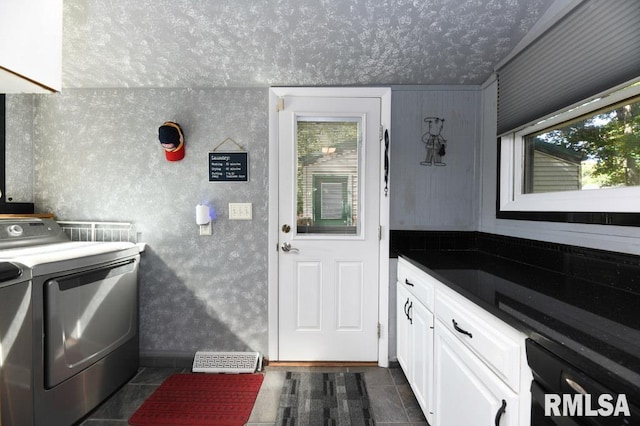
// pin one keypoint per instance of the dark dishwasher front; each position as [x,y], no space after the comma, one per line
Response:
[560,395]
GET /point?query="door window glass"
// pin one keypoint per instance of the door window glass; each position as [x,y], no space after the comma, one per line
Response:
[328,185]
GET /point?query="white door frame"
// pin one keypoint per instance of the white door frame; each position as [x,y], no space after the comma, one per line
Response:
[384,93]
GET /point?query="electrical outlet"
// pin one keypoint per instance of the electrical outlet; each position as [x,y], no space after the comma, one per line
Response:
[240,211]
[205,229]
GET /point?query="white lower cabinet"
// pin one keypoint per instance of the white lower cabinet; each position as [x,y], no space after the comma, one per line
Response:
[467,392]
[415,335]
[421,335]
[465,366]
[403,299]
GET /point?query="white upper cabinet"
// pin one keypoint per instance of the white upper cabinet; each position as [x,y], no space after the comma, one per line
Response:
[30,46]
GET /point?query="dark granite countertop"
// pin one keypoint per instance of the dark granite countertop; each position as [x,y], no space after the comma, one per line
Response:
[594,326]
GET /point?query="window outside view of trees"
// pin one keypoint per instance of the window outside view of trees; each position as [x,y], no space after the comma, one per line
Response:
[599,150]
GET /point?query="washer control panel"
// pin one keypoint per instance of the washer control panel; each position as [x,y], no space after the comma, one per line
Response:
[20,232]
[24,230]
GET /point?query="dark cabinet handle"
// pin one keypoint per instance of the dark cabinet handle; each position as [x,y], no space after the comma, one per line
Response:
[500,412]
[409,311]
[407,282]
[386,162]
[406,311]
[460,330]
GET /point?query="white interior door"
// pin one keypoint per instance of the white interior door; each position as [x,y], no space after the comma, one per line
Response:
[329,216]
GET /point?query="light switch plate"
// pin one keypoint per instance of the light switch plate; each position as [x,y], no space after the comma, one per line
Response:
[240,211]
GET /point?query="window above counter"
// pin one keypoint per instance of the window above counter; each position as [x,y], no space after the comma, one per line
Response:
[580,165]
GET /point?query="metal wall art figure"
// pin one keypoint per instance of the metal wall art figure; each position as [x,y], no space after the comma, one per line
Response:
[434,142]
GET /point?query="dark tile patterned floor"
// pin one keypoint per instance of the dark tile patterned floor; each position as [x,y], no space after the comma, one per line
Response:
[390,396]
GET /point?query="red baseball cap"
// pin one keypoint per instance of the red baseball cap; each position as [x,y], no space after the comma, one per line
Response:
[172,139]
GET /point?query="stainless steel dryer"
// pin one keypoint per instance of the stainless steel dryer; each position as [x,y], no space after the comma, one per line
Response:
[68,322]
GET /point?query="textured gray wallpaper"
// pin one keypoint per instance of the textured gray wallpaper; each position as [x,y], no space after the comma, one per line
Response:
[187,43]
[97,157]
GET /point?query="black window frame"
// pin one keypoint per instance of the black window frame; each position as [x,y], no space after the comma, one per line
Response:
[8,207]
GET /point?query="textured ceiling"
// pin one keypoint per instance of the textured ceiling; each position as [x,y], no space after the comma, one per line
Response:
[245,43]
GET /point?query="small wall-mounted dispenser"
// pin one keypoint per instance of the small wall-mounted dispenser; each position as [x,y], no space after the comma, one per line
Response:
[204,217]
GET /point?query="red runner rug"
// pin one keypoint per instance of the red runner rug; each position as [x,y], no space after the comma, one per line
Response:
[200,400]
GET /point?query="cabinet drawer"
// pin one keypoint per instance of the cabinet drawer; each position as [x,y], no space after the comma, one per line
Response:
[418,282]
[496,343]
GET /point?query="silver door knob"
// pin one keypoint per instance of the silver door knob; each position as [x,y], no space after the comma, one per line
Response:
[286,247]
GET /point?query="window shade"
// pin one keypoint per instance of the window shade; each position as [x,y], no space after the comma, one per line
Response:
[592,49]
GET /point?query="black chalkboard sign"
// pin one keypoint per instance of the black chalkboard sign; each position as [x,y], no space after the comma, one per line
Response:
[228,166]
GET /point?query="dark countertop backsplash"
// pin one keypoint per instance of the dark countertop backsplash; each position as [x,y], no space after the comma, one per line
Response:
[614,269]
[579,303]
